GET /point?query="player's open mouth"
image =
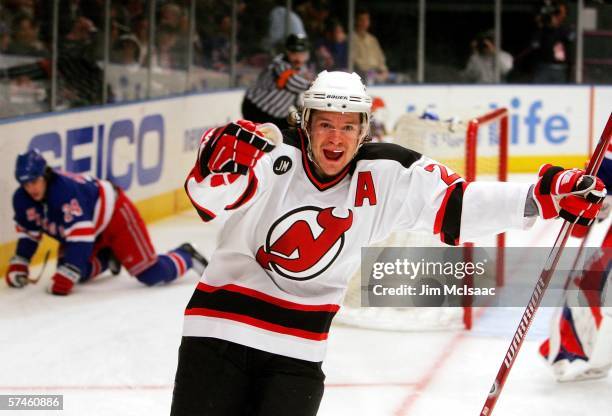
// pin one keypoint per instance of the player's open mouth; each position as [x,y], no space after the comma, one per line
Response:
[333,154]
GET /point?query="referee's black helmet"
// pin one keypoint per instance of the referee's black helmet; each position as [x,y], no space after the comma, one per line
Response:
[297,43]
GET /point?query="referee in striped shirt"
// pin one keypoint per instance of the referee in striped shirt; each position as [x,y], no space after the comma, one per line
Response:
[278,87]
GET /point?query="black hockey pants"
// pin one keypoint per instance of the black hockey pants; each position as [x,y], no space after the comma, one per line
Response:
[216,377]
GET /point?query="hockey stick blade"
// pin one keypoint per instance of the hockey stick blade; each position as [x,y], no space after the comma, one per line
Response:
[42,269]
[541,285]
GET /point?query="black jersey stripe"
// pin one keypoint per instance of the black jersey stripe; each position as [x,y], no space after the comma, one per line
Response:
[237,301]
[388,151]
[451,219]
[205,215]
[246,195]
[291,137]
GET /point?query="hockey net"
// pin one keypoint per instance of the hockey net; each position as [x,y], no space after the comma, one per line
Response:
[476,147]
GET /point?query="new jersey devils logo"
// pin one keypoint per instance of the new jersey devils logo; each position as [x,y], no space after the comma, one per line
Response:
[304,242]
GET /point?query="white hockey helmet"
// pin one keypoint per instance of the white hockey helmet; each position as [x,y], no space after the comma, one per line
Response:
[340,92]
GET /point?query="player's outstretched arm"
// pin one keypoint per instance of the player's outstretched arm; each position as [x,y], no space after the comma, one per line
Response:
[460,212]
[566,193]
[440,202]
[224,176]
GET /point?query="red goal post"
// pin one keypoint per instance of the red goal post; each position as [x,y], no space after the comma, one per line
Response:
[471,156]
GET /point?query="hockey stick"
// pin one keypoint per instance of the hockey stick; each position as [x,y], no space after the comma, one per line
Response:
[541,285]
[42,269]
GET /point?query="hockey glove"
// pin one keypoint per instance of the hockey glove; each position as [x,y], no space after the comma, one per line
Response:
[236,147]
[569,194]
[64,279]
[604,212]
[17,273]
[580,231]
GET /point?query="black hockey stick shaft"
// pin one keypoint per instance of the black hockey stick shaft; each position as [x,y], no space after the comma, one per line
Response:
[541,285]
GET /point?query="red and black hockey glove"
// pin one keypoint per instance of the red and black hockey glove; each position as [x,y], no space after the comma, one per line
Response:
[569,194]
[64,279]
[236,147]
[17,273]
[580,231]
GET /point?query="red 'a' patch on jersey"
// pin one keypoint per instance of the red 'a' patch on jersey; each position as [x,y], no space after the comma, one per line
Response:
[365,189]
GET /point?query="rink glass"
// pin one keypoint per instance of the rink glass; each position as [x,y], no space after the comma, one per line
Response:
[116,52]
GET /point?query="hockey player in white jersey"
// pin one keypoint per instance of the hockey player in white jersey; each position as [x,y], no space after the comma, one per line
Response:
[300,205]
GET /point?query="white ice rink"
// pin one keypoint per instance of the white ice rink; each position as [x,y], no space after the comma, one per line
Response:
[111,349]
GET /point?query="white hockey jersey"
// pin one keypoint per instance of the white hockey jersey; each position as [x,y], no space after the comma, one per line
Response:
[293,239]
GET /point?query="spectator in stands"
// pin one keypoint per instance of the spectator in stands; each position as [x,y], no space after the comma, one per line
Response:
[315,14]
[140,28]
[81,78]
[5,37]
[332,51]
[117,29]
[367,55]
[9,9]
[176,18]
[552,43]
[135,8]
[126,51]
[217,48]
[253,34]
[167,55]
[171,14]
[81,35]
[94,11]
[24,37]
[277,30]
[481,64]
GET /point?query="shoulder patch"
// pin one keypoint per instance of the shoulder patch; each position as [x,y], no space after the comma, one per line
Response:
[282,164]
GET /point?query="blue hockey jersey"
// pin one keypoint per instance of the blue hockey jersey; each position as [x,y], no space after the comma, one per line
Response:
[75,210]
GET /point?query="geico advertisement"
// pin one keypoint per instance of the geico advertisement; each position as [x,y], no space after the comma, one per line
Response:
[544,120]
[146,148]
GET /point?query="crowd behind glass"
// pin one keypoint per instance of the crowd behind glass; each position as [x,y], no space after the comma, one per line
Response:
[59,54]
